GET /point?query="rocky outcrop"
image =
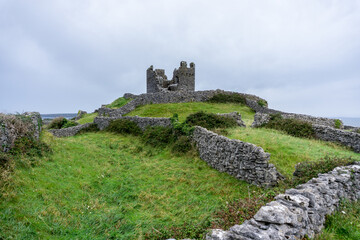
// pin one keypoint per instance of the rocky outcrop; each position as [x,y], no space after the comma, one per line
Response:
[13,127]
[242,160]
[67,132]
[300,211]
[142,122]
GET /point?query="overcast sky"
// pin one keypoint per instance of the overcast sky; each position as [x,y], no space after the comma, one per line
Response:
[302,56]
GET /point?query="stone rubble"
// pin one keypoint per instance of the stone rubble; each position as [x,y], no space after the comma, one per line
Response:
[67,132]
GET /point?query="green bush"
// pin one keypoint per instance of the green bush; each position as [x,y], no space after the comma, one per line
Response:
[4,159]
[181,128]
[61,122]
[159,136]
[293,127]
[358,130]
[124,126]
[262,103]
[29,146]
[228,98]
[182,144]
[91,128]
[308,170]
[210,120]
[337,123]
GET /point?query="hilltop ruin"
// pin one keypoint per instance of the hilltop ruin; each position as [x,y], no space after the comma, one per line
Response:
[183,79]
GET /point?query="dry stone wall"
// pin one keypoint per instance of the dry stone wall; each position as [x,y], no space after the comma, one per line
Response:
[67,132]
[170,97]
[236,116]
[142,122]
[242,160]
[321,128]
[300,211]
[13,127]
[262,116]
[350,139]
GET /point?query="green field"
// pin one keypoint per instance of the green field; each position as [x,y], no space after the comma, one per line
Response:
[109,186]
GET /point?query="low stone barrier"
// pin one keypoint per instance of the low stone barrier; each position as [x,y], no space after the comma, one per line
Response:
[13,127]
[236,116]
[67,132]
[142,122]
[262,117]
[170,97]
[300,211]
[350,139]
[322,132]
[242,160]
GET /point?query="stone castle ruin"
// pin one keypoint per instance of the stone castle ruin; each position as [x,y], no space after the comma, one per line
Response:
[183,79]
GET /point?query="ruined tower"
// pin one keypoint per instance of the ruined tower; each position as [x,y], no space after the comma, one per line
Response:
[183,79]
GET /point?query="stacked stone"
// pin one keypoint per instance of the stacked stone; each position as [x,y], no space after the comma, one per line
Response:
[242,160]
[173,97]
[67,132]
[13,127]
[322,132]
[236,116]
[350,139]
[142,122]
[300,211]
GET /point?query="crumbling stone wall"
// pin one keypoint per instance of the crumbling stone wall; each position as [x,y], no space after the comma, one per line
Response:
[67,132]
[300,211]
[242,160]
[321,127]
[142,122]
[170,97]
[183,79]
[236,116]
[13,127]
[261,118]
[350,139]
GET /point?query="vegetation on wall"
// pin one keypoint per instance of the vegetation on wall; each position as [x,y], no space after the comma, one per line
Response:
[210,121]
[61,122]
[337,123]
[118,103]
[262,103]
[293,127]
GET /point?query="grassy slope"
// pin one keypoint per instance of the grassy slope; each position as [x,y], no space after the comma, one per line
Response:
[89,118]
[184,109]
[101,185]
[286,150]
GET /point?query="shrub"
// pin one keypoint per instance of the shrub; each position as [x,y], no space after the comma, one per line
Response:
[4,159]
[210,120]
[228,98]
[308,170]
[358,130]
[61,122]
[293,127]
[182,144]
[91,128]
[262,102]
[181,128]
[337,123]
[124,126]
[158,136]
[30,147]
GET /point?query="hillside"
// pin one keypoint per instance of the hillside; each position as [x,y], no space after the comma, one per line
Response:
[106,185]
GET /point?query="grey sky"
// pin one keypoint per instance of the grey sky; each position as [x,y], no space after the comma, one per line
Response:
[61,56]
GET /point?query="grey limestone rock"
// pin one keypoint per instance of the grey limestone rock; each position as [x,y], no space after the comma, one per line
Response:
[300,211]
[67,132]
